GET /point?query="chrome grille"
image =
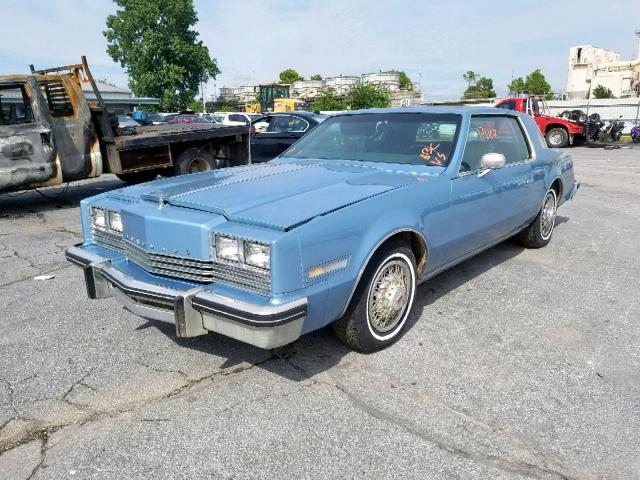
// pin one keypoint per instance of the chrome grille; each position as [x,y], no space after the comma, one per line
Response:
[108,240]
[203,271]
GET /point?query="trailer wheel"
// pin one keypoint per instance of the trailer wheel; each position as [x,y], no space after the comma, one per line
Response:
[557,137]
[138,177]
[194,160]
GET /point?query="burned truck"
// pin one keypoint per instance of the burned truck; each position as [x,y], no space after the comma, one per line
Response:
[50,134]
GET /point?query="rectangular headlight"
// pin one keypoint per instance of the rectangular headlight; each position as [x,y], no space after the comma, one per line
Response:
[115,221]
[227,248]
[98,217]
[257,255]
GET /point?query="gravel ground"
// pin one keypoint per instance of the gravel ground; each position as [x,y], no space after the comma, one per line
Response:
[518,364]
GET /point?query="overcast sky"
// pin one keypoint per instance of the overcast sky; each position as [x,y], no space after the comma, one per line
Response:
[254,40]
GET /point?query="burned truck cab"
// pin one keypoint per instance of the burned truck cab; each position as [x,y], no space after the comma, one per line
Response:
[41,122]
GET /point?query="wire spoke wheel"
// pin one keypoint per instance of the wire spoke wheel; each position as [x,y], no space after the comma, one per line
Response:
[548,215]
[389,296]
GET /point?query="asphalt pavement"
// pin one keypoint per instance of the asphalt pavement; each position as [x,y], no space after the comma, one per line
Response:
[517,364]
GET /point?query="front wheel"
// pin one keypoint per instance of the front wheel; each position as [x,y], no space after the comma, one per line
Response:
[557,138]
[538,233]
[382,302]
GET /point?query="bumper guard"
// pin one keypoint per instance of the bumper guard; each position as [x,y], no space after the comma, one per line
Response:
[195,311]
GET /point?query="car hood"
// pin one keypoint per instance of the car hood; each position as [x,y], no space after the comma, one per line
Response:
[274,195]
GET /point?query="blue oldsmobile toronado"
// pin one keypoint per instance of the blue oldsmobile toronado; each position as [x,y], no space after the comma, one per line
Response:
[340,228]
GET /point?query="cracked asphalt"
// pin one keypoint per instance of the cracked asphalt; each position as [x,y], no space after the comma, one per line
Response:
[517,364]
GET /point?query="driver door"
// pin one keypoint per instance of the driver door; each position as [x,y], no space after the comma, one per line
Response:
[27,154]
[488,206]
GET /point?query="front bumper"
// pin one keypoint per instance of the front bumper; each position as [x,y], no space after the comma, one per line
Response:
[195,311]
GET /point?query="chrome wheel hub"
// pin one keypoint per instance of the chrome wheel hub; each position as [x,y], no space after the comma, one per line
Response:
[548,216]
[389,296]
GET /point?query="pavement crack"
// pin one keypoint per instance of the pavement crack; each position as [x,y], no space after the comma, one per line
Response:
[12,405]
[44,446]
[42,429]
[510,466]
[30,277]
[76,384]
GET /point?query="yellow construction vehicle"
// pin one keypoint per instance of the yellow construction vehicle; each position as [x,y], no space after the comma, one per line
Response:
[288,105]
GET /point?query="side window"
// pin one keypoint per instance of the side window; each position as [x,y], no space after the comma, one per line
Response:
[297,125]
[278,124]
[287,124]
[234,117]
[510,105]
[15,106]
[57,98]
[494,134]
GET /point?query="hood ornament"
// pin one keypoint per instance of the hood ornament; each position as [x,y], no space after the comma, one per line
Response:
[162,201]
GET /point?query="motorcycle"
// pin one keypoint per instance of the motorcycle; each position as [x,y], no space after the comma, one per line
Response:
[635,133]
[593,128]
[613,130]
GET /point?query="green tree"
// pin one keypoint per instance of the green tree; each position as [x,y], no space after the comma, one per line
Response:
[602,92]
[470,77]
[195,105]
[405,81]
[327,101]
[317,76]
[536,84]
[154,41]
[290,75]
[516,87]
[482,89]
[368,96]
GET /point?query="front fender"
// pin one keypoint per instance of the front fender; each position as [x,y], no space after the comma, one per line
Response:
[354,234]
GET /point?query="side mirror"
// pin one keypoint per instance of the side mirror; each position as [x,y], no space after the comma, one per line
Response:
[492,161]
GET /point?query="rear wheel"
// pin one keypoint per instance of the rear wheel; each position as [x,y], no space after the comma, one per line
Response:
[557,137]
[538,233]
[194,160]
[382,302]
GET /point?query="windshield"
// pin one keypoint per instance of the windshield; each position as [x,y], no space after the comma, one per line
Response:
[413,138]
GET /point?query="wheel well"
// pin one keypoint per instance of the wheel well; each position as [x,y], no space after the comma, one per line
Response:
[557,186]
[555,125]
[417,244]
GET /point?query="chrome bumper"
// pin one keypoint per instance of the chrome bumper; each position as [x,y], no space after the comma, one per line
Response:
[194,312]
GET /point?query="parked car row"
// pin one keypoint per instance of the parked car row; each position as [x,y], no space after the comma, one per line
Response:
[274,133]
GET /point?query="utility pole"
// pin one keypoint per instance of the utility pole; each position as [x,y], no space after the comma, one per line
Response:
[204,101]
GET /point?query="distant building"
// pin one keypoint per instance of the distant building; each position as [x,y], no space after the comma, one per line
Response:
[389,80]
[118,100]
[591,66]
[309,90]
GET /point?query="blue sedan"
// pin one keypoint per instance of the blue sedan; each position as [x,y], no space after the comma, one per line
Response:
[340,228]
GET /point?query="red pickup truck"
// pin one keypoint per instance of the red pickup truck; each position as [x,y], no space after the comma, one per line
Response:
[558,132]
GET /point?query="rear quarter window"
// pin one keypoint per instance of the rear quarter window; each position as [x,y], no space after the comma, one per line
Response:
[57,98]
